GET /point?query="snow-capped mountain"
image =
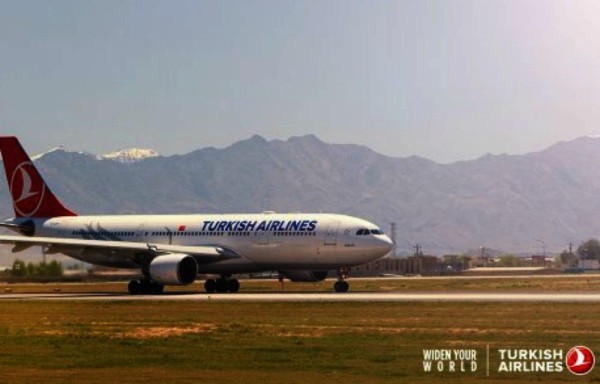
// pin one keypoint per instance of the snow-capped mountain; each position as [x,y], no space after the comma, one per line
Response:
[40,155]
[130,155]
[510,202]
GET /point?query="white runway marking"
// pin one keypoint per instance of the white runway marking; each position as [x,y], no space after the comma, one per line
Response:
[321,297]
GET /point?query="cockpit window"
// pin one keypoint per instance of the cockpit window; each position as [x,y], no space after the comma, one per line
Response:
[365,232]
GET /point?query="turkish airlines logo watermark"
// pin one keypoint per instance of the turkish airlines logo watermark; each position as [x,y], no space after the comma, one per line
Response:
[580,360]
[27,191]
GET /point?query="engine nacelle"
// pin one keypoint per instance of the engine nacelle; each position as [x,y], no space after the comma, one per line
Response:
[173,269]
[305,276]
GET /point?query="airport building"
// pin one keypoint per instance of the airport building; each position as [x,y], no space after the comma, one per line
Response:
[414,265]
[456,264]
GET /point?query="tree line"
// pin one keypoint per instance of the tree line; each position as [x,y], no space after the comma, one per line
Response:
[588,250]
[42,269]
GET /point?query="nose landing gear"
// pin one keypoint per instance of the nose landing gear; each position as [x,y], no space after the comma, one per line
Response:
[342,285]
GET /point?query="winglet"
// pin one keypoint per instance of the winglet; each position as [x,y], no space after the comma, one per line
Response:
[31,196]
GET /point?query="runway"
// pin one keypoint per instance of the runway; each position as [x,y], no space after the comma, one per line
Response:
[349,297]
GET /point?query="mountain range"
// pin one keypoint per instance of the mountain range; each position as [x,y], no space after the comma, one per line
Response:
[516,203]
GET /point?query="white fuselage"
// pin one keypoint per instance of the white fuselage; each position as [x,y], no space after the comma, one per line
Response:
[266,241]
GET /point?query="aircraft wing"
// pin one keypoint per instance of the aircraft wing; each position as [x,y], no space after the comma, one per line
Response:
[55,244]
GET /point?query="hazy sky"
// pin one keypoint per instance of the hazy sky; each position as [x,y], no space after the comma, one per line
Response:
[447,80]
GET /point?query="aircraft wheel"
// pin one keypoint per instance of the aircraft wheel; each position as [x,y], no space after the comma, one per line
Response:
[145,287]
[233,285]
[156,289]
[210,286]
[345,286]
[222,285]
[135,287]
[341,286]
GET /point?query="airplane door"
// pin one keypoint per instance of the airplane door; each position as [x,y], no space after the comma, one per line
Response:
[141,233]
[331,233]
[348,239]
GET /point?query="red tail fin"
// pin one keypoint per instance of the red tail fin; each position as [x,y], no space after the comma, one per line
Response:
[31,196]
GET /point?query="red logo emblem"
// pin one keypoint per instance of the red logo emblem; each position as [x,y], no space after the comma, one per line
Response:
[27,189]
[580,360]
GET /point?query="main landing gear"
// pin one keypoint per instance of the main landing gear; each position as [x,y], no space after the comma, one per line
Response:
[223,284]
[145,287]
[342,285]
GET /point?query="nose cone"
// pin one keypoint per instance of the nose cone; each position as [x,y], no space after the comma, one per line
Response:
[384,244]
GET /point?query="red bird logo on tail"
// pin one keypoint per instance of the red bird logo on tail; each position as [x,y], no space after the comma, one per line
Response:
[27,192]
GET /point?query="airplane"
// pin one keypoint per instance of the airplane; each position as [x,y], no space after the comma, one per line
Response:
[175,249]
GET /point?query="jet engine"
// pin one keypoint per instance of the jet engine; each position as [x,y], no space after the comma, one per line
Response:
[173,269]
[305,276]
